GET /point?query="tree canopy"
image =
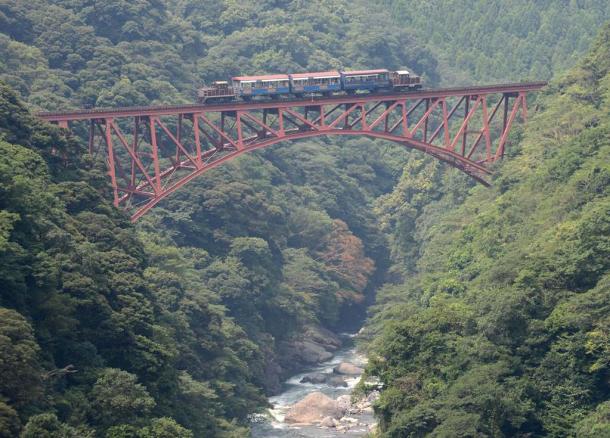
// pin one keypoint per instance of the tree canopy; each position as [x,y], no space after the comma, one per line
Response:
[500,325]
[493,317]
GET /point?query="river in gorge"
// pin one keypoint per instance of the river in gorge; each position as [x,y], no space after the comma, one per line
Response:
[273,426]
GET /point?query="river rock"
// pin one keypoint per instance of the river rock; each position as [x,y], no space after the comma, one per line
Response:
[314,378]
[329,379]
[313,409]
[344,402]
[322,336]
[328,422]
[314,353]
[348,369]
[310,345]
[336,381]
[299,353]
[373,396]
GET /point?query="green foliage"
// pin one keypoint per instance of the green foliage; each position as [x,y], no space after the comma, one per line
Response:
[48,426]
[117,397]
[19,366]
[501,329]
[76,269]
[134,52]
[192,306]
[595,424]
[165,428]
[495,41]
[9,421]
[172,328]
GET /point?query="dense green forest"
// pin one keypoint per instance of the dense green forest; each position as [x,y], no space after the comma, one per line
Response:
[499,40]
[181,325]
[64,53]
[501,325]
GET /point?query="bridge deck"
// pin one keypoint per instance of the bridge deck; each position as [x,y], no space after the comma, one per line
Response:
[102,113]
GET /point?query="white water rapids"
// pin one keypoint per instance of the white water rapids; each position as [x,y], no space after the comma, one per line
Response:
[294,391]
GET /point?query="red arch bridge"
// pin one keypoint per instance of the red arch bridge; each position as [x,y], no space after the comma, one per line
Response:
[153,151]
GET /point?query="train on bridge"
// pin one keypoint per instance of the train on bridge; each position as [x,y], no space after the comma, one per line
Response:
[300,84]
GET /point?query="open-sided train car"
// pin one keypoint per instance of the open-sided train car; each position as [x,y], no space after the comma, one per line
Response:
[268,85]
[369,80]
[324,82]
[299,84]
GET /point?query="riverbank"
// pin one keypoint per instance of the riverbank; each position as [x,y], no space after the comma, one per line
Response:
[357,420]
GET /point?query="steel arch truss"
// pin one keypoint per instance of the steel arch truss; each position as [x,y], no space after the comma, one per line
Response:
[151,154]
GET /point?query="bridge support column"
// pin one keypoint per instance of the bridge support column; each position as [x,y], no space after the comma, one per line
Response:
[91,143]
[280,120]
[465,138]
[240,137]
[111,161]
[405,119]
[134,147]
[197,139]
[426,121]
[155,153]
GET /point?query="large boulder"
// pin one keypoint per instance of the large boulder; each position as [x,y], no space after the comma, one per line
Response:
[330,379]
[310,346]
[348,369]
[315,378]
[344,402]
[328,422]
[313,409]
[313,353]
[296,354]
[321,336]
[336,381]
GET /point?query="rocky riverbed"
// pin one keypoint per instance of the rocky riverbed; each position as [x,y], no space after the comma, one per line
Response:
[317,402]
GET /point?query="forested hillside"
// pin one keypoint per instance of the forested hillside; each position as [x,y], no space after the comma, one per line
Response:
[180,326]
[68,53]
[499,40]
[501,325]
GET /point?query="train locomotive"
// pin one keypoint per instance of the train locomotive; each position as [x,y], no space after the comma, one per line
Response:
[300,84]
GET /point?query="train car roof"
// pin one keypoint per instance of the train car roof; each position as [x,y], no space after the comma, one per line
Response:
[316,75]
[366,72]
[260,78]
[403,72]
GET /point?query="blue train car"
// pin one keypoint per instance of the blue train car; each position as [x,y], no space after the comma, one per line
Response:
[369,80]
[324,82]
[268,85]
[298,84]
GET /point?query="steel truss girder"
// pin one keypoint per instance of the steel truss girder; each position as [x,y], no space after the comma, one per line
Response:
[165,151]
